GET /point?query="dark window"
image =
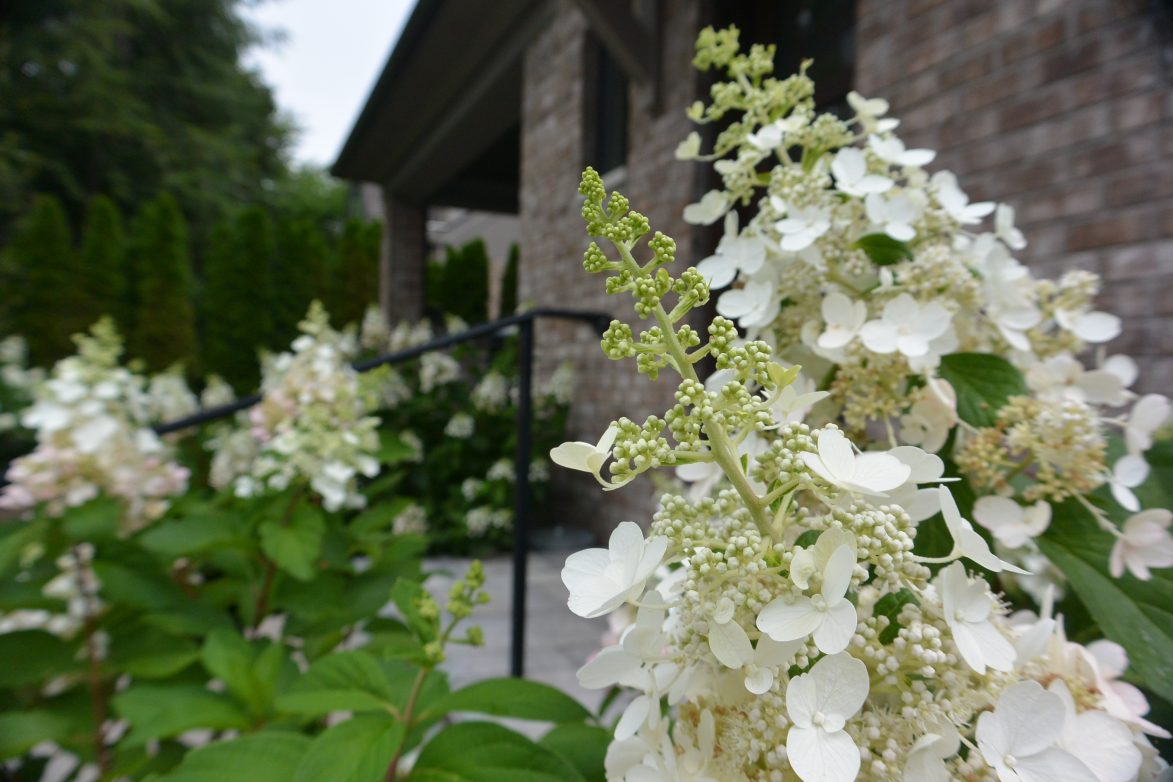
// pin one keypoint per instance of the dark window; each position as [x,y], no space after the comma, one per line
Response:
[820,30]
[606,110]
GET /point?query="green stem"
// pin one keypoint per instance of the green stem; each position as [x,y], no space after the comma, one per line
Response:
[724,453]
[408,716]
[262,606]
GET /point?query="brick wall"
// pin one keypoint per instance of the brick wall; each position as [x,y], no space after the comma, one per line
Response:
[553,238]
[1062,108]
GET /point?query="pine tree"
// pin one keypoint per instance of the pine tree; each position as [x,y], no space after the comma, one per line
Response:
[355,283]
[301,272]
[164,328]
[102,262]
[42,282]
[236,299]
[467,280]
[508,300]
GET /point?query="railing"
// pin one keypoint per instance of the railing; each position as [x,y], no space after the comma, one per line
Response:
[524,323]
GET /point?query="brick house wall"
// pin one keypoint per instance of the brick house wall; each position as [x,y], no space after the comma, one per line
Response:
[552,158]
[1061,108]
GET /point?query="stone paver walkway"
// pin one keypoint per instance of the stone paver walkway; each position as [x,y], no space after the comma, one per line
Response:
[557,641]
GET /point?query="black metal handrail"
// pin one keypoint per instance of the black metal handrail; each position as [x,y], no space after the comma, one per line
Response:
[524,322]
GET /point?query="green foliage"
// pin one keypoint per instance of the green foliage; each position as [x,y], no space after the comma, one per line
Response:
[1134,613]
[509,283]
[983,383]
[236,317]
[460,285]
[300,272]
[883,249]
[102,261]
[41,283]
[354,284]
[164,327]
[130,97]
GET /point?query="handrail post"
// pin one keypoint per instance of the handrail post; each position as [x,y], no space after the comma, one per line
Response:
[521,489]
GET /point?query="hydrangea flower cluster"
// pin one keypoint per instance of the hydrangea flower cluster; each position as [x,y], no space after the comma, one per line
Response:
[883,281]
[311,425]
[17,380]
[783,618]
[92,418]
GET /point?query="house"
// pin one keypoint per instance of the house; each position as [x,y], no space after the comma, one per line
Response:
[1062,108]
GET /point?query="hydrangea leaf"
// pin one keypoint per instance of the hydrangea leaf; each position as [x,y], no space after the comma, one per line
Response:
[518,698]
[295,546]
[358,750]
[1131,612]
[883,249]
[983,383]
[485,752]
[264,757]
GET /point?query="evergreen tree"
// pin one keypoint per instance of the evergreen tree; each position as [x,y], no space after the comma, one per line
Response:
[301,274]
[355,283]
[508,301]
[164,328]
[467,278]
[236,298]
[102,262]
[42,282]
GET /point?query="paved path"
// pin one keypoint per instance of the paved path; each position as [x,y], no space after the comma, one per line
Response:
[557,641]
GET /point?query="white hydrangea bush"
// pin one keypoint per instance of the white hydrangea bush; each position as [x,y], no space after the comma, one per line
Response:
[903,300]
[785,626]
[312,425]
[91,418]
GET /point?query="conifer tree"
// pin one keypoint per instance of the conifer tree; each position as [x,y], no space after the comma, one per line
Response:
[236,315]
[164,328]
[102,262]
[41,289]
[467,276]
[355,283]
[508,301]
[301,271]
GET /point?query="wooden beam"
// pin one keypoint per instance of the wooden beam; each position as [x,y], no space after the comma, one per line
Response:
[628,40]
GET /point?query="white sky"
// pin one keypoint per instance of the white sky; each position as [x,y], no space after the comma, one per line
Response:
[324,68]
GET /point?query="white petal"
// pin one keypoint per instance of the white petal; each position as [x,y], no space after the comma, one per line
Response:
[837,574]
[730,644]
[836,453]
[1104,745]
[819,756]
[609,667]
[1053,765]
[880,472]
[633,717]
[718,270]
[837,628]
[841,684]
[759,681]
[784,621]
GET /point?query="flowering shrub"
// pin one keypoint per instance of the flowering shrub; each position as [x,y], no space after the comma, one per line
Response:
[915,325]
[263,632]
[785,616]
[458,414]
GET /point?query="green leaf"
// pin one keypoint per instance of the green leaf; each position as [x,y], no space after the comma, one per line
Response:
[157,711]
[486,752]
[983,383]
[191,535]
[890,605]
[1133,613]
[248,674]
[883,249]
[358,750]
[19,731]
[15,538]
[520,698]
[583,746]
[145,652]
[295,546]
[263,757]
[96,520]
[32,657]
[393,449]
[349,681]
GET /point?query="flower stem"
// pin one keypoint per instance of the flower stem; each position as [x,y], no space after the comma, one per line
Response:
[724,453]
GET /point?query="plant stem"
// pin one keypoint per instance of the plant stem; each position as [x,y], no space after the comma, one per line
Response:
[408,715]
[262,604]
[97,689]
[724,453]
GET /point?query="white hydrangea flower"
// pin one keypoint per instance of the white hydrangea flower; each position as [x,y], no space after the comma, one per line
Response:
[601,580]
[1019,737]
[828,616]
[1144,543]
[1011,524]
[819,704]
[867,473]
[893,215]
[850,170]
[1148,414]
[585,457]
[801,227]
[968,607]
[843,318]
[968,543]
[711,208]
[906,326]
